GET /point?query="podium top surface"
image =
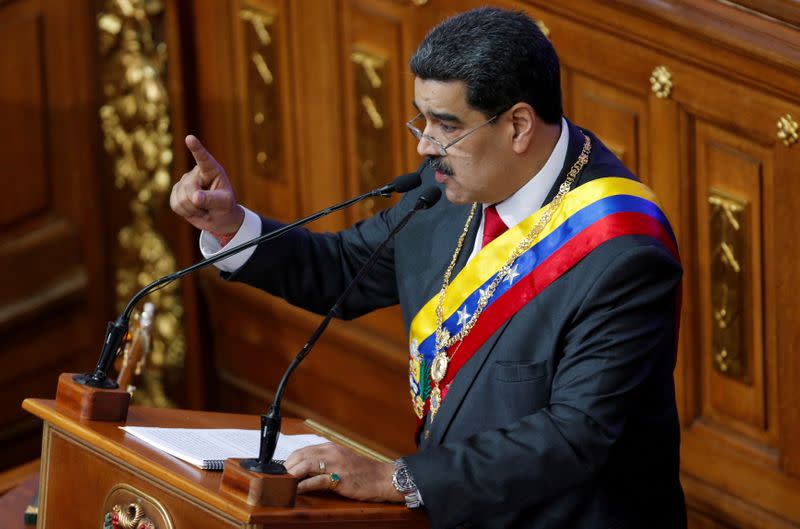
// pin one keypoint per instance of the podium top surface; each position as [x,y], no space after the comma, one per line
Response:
[204,485]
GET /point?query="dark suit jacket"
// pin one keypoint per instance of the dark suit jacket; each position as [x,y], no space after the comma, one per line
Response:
[566,416]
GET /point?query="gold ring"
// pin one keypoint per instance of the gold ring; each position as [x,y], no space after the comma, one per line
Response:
[321,466]
[335,479]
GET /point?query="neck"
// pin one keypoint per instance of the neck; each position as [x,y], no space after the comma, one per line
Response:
[528,165]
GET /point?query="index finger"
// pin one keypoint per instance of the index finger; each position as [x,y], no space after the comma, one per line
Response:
[207,164]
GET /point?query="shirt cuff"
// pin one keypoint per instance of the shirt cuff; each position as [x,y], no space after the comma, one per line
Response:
[250,229]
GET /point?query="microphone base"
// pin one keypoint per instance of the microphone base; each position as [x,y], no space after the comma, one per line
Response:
[254,465]
[256,488]
[90,403]
[86,379]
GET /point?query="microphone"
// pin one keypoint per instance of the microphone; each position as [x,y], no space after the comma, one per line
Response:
[271,421]
[117,330]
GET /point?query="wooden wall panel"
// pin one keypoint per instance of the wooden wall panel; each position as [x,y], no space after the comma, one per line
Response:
[619,119]
[731,174]
[374,65]
[58,214]
[265,109]
[51,289]
[22,107]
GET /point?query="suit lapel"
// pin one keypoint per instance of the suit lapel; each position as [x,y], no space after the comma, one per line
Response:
[466,376]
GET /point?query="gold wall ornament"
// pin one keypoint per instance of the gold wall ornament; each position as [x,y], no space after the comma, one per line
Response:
[263,69]
[661,82]
[419,3]
[728,238]
[263,92]
[374,143]
[371,64]
[788,130]
[137,137]
[372,111]
[260,21]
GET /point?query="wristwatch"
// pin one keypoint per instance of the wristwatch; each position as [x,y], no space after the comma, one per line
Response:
[403,481]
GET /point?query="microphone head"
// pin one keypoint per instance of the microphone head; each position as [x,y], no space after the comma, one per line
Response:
[405,182]
[428,198]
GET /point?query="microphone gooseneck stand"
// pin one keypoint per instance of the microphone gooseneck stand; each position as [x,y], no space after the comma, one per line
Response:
[117,330]
[271,421]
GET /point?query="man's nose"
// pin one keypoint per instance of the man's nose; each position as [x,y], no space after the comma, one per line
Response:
[427,147]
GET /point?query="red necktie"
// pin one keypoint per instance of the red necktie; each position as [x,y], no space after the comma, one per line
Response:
[493,225]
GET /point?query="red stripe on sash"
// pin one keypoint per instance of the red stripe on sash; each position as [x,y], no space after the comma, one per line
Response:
[556,265]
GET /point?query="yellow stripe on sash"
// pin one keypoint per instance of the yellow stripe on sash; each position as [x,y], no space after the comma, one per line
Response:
[489,260]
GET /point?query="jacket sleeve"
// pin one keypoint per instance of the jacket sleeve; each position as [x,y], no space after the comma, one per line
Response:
[621,339]
[310,270]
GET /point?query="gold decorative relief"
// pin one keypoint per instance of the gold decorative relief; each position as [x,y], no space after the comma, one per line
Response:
[372,111]
[260,21]
[137,137]
[419,3]
[126,507]
[728,231]
[373,140]
[371,64]
[661,82]
[262,69]
[788,130]
[263,96]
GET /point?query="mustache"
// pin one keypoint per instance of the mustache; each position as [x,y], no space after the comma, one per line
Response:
[438,164]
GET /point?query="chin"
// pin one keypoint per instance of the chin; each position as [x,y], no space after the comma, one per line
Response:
[455,198]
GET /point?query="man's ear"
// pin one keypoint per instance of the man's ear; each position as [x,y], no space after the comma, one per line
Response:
[524,121]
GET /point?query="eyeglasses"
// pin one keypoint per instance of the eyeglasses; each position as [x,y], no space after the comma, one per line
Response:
[442,147]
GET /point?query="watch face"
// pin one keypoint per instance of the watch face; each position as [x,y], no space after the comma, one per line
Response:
[403,481]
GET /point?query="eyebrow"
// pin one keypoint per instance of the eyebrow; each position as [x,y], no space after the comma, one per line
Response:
[441,116]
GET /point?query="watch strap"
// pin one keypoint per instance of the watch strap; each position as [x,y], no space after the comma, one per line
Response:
[404,483]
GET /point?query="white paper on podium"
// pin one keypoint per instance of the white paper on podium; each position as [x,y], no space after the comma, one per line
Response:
[208,448]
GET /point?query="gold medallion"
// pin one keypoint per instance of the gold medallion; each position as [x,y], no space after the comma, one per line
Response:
[436,400]
[439,366]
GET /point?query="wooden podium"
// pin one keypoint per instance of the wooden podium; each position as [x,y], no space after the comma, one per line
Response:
[88,467]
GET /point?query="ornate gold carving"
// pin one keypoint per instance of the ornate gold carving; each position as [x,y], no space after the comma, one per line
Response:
[129,508]
[372,111]
[419,3]
[728,249]
[263,69]
[260,21]
[661,82]
[373,140]
[788,130]
[136,135]
[262,91]
[371,64]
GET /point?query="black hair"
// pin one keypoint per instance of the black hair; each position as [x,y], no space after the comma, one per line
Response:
[502,57]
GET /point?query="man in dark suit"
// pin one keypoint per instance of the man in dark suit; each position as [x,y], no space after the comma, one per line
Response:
[541,299]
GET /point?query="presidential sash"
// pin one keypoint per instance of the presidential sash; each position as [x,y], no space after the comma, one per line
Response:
[588,216]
